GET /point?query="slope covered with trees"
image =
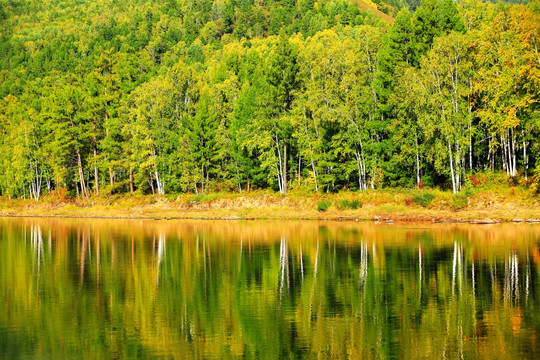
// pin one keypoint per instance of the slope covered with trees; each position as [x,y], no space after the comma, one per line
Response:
[175,96]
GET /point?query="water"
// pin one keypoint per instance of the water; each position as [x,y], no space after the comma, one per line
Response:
[270,290]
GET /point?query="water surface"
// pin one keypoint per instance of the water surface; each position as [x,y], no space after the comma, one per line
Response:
[269,290]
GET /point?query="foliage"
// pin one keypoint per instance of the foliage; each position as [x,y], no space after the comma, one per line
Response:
[477,180]
[323,205]
[535,184]
[424,198]
[218,96]
[460,201]
[348,204]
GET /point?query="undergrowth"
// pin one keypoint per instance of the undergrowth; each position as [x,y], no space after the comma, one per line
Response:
[348,204]
[323,205]
[424,199]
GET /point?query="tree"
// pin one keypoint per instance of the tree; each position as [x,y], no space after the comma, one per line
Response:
[446,75]
[432,19]
[508,85]
[281,77]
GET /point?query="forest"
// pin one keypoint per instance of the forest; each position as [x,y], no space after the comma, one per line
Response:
[181,96]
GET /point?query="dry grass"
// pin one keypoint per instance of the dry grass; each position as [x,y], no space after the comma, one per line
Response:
[372,7]
[395,204]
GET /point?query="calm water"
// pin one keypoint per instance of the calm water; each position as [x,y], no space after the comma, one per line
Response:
[268,290]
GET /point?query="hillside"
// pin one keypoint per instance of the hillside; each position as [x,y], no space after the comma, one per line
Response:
[372,7]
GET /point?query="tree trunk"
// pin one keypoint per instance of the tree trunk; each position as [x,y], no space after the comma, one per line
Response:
[202,179]
[131,180]
[84,192]
[452,167]
[111,177]
[299,168]
[514,158]
[525,159]
[238,176]
[48,182]
[314,174]
[458,166]
[361,160]
[159,184]
[361,171]
[96,174]
[285,168]
[470,148]
[279,167]
[311,156]
[417,163]
[207,180]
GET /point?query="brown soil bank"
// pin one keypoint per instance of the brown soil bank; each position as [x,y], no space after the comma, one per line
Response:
[518,205]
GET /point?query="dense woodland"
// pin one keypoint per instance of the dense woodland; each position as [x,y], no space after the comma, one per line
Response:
[105,97]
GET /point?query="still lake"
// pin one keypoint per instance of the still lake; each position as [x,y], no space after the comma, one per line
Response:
[102,289]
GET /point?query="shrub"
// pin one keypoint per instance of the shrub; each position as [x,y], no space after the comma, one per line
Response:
[477,179]
[424,199]
[207,198]
[535,180]
[349,204]
[323,205]
[342,204]
[460,201]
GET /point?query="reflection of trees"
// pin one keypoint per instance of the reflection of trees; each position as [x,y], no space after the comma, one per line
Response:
[511,279]
[457,268]
[36,241]
[283,264]
[363,264]
[204,292]
[160,252]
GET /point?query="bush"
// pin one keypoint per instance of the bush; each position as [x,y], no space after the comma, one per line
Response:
[460,201]
[323,205]
[477,179]
[349,204]
[424,199]
[535,180]
[207,198]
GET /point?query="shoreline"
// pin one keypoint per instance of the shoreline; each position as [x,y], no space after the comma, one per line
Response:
[405,206]
[385,220]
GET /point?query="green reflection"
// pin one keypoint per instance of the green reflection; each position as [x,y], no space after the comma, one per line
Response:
[268,290]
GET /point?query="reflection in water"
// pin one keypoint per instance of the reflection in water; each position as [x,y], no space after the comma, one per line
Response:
[195,289]
[363,264]
[160,251]
[511,292]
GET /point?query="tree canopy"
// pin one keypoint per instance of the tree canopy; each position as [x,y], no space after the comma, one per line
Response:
[176,96]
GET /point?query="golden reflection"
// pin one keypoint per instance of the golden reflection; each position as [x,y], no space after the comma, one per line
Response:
[137,288]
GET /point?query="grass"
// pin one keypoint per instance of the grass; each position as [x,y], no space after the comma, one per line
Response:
[349,204]
[460,201]
[503,201]
[423,199]
[323,205]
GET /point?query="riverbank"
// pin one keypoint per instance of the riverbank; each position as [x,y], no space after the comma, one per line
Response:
[512,204]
